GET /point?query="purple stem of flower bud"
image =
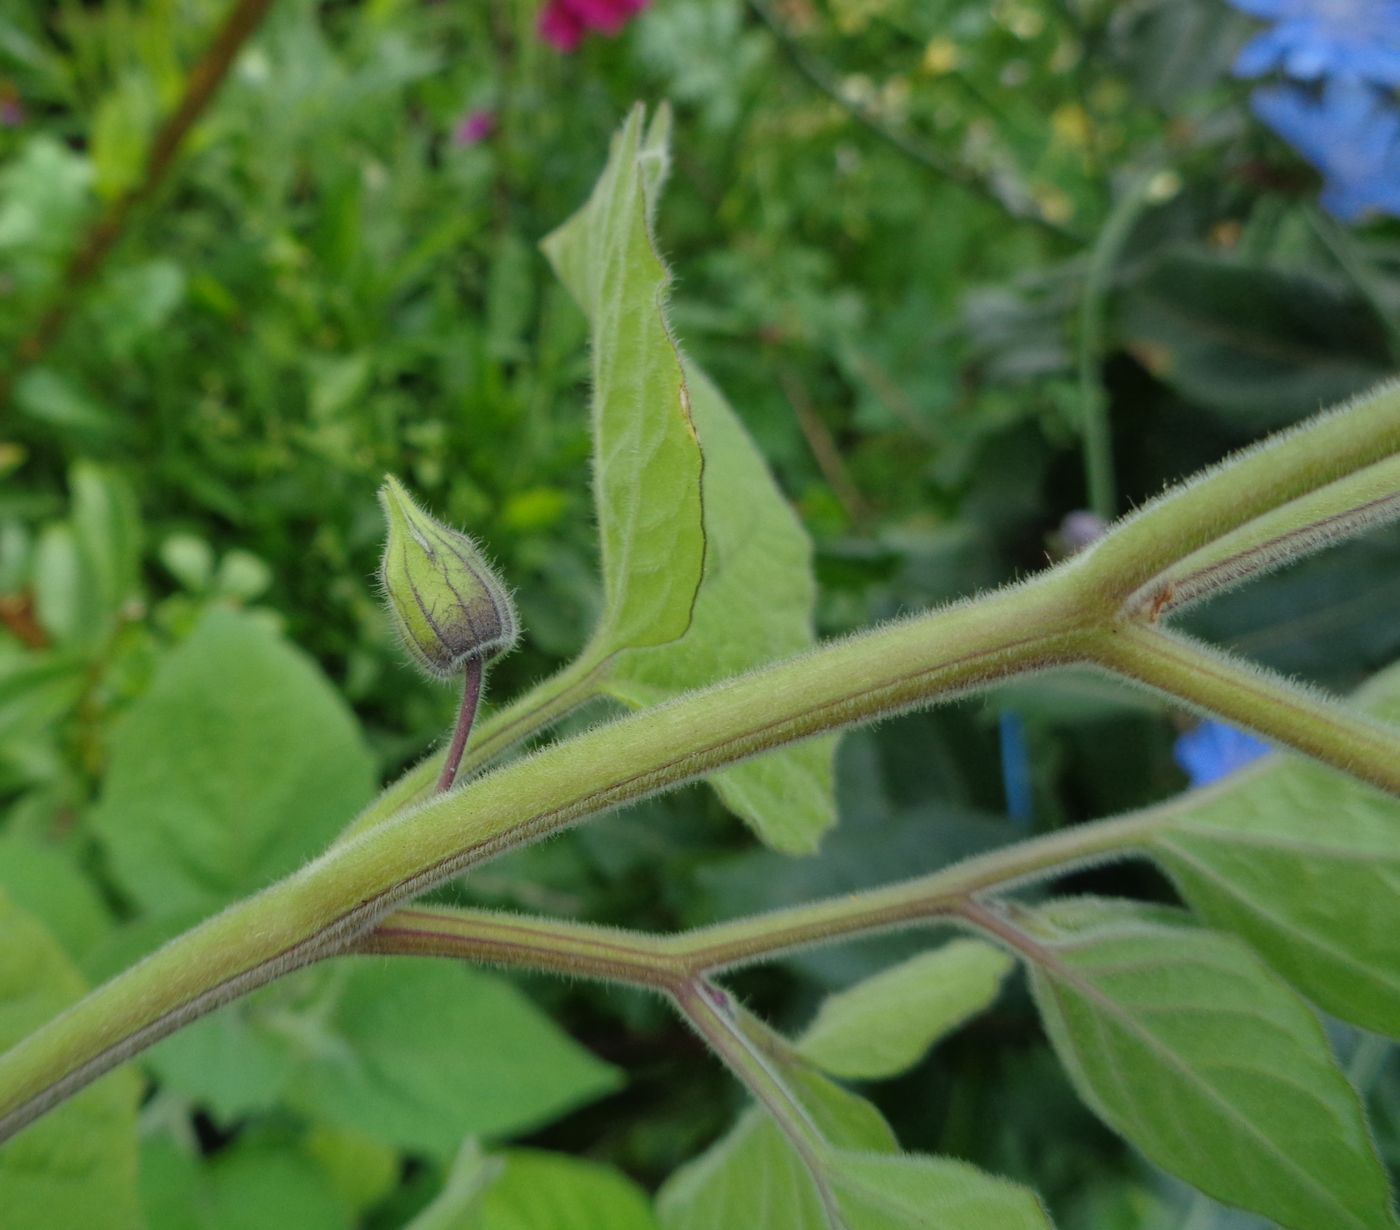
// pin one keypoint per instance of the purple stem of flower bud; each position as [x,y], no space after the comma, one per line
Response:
[471,697]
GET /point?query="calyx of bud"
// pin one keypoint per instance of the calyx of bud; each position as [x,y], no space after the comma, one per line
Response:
[447,604]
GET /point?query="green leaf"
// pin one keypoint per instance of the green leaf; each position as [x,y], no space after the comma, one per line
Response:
[547,1191]
[77,1165]
[916,1193]
[253,1184]
[754,1176]
[44,880]
[107,528]
[1304,863]
[133,305]
[422,1053]
[362,1171]
[646,458]
[755,605]
[459,1201]
[1259,344]
[57,401]
[884,1025]
[189,559]
[1181,1039]
[235,1063]
[757,594]
[237,764]
[36,689]
[66,599]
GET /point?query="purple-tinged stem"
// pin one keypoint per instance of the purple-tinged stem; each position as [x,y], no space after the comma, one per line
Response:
[471,698]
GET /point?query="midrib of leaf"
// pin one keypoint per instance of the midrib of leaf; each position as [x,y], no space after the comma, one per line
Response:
[1306,938]
[1046,957]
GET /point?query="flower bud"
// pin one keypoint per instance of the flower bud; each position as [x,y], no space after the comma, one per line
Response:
[447,604]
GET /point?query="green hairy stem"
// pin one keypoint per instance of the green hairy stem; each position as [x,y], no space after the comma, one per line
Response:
[1098,609]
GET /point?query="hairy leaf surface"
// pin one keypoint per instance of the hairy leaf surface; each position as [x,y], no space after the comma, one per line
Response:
[646,456]
[747,596]
[755,606]
[1305,864]
[755,1176]
[1183,1041]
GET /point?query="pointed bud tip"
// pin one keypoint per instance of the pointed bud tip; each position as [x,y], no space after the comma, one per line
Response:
[447,604]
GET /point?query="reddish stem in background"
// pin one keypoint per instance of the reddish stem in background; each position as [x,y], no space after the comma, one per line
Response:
[201,86]
[471,697]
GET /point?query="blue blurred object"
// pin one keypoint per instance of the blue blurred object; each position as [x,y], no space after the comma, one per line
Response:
[1015,767]
[1213,750]
[1337,106]
[1351,133]
[1323,38]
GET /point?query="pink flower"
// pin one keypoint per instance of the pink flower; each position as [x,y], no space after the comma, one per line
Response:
[474,128]
[563,23]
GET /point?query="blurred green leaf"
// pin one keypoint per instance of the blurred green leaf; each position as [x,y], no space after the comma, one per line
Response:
[107,531]
[58,401]
[67,600]
[133,305]
[44,195]
[420,1054]
[254,1184]
[884,1025]
[458,1204]
[1183,1041]
[237,1062]
[189,559]
[243,576]
[48,883]
[237,764]
[36,689]
[363,1171]
[77,1165]
[1260,345]
[1298,860]
[121,134]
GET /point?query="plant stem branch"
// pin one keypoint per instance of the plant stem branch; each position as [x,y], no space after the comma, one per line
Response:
[1255,700]
[664,963]
[325,906]
[203,83]
[1288,466]
[466,714]
[1070,614]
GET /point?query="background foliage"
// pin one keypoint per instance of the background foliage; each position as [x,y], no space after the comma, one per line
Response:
[917,245]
